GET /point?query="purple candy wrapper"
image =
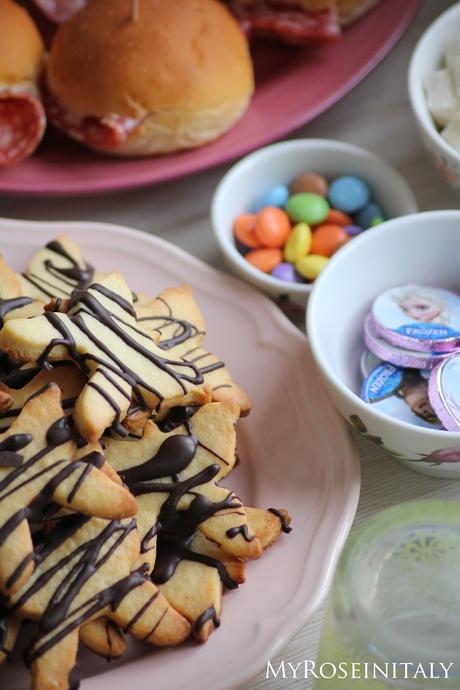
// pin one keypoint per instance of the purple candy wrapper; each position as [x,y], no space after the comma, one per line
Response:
[396,355]
[444,392]
[416,317]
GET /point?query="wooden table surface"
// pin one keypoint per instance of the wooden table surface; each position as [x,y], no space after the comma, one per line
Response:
[376,115]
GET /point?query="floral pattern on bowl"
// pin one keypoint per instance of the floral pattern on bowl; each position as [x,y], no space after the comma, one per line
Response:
[443,456]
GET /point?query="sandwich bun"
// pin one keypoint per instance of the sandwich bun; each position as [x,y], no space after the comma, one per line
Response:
[182,69]
[21,47]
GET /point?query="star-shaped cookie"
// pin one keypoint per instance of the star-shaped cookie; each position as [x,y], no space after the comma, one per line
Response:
[196,587]
[14,303]
[17,387]
[85,570]
[36,466]
[9,629]
[101,335]
[194,533]
[176,318]
[174,476]
[55,271]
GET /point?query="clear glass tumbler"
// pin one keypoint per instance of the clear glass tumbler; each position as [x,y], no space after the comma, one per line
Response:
[394,615]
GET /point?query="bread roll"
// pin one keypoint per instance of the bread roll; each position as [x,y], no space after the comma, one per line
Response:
[181,70]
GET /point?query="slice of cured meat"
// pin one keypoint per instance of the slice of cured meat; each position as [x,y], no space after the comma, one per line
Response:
[22,124]
[105,133]
[287,22]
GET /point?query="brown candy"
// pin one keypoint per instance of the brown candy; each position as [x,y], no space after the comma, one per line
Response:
[309,182]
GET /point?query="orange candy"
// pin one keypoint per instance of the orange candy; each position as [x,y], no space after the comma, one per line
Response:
[327,239]
[265,259]
[272,227]
[245,230]
[337,217]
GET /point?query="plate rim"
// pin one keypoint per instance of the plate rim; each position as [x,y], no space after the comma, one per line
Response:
[352,470]
[267,135]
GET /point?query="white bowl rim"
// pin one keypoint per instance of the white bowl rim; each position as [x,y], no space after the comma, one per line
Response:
[413,80]
[229,248]
[320,360]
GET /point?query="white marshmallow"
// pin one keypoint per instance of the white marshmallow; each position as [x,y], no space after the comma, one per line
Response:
[451,133]
[455,74]
[441,99]
[452,51]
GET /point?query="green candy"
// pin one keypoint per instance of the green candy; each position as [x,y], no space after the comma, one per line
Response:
[307,208]
[378,220]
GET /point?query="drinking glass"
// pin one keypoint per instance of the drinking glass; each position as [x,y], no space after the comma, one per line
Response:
[395,603]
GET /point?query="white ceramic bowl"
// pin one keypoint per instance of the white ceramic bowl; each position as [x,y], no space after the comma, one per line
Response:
[254,175]
[427,56]
[422,248]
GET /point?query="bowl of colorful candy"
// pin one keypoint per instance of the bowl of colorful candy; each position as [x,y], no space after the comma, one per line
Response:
[281,213]
[434,92]
[384,328]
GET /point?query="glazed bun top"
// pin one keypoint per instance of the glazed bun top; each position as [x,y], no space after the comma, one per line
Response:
[21,47]
[104,62]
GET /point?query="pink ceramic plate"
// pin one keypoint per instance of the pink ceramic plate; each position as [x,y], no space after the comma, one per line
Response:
[293,87]
[295,449]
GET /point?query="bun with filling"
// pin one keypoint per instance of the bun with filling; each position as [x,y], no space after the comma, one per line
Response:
[175,75]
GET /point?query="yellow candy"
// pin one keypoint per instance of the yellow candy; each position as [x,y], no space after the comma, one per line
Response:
[311,266]
[298,244]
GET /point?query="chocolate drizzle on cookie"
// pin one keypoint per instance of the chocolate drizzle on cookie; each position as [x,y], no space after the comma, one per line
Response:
[9,305]
[49,474]
[286,528]
[58,433]
[84,560]
[206,369]
[4,616]
[68,278]
[175,529]
[176,417]
[240,529]
[79,276]
[183,331]
[13,412]
[92,459]
[20,377]
[74,678]
[85,303]
[209,615]
[112,630]
[180,416]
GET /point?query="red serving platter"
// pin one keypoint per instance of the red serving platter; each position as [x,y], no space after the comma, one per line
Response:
[294,85]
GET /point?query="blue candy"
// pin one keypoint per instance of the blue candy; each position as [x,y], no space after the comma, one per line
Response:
[349,194]
[276,196]
[365,217]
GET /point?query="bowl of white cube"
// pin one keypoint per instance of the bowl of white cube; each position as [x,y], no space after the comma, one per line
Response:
[434,92]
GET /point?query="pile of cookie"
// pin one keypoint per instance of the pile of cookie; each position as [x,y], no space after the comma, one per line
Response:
[116,429]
